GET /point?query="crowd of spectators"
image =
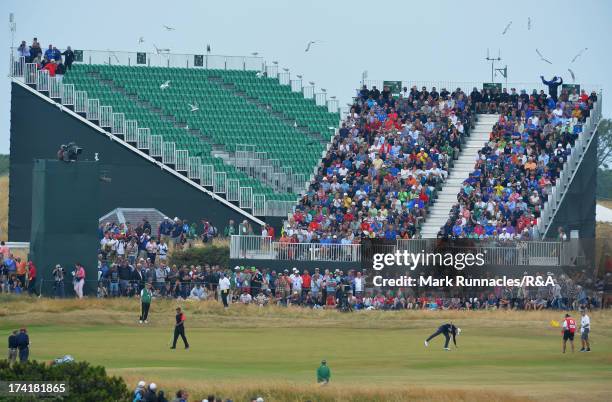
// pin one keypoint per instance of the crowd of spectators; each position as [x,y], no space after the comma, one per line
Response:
[17,275]
[390,156]
[54,60]
[150,393]
[515,171]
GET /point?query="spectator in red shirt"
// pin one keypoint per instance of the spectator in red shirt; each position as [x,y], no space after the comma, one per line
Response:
[51,67]
[32,278]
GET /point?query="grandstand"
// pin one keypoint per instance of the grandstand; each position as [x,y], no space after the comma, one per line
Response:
[258,141]
[249,135]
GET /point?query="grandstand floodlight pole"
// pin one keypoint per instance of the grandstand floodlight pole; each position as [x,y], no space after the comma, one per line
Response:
[493,60]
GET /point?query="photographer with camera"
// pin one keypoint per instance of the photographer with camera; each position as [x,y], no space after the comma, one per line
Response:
[69,152]
[58,285]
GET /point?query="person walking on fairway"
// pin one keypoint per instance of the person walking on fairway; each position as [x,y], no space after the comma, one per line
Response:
[146,295]
[323,373]
[569,328]
[179,329]
[446,330]
[12,347]
[585,328]
[23,344]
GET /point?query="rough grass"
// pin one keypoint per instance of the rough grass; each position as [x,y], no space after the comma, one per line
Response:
[273,352]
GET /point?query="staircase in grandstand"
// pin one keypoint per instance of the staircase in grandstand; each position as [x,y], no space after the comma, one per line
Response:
[462,167]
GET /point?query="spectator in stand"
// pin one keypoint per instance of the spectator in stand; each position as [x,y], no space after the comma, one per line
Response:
[68,57]
[35,51]
[51,67]
[552,85]
[24,51]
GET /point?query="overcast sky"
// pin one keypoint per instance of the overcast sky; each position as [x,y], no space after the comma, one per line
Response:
[395,40]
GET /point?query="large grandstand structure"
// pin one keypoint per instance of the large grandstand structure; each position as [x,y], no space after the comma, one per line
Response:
[235,138]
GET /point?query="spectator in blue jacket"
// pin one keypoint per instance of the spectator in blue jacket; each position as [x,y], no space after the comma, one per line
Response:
[552,86]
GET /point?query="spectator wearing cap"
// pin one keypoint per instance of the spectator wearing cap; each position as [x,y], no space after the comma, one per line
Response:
[150,394]
[323,373]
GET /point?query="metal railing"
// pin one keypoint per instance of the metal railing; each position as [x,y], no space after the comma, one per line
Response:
[169,153]
[195,168]
[17,66]
[220,182]
[250,246]
[167,59]
[80,101]
[182,160]
[67,93]
[143,141]
[524,253]
[118,127]
[30,74]
[131,132]
[259,205]
[246,197]
[93,109]
[54,88]
[207,177]
[233,190]
[156,146]
[106,116]
[42,80]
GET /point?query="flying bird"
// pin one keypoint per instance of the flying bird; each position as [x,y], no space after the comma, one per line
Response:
[285,69]
[311,83]
[312,42]
[299,76]
[165,85]
[323,90]
[529,23]
[259,74]
[141,39]
[542,57]
[295,124]
[169,28]
[507,28]
[254,54]
[158,50]
[579,54]
[572,74]
[194,107]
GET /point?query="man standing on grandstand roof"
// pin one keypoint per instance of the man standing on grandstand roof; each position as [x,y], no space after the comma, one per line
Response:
[447,330]
[569,328]
[179,329]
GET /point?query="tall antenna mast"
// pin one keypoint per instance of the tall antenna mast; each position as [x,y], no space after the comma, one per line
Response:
[12,28]
[493,60]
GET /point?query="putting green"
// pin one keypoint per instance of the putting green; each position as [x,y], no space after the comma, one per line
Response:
[511,354]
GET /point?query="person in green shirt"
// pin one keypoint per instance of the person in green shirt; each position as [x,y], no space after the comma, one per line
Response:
[146,295]
[230,229]
[323,373]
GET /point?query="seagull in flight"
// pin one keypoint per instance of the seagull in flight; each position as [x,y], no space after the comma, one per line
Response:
[165,85]
[572,74]
[141,39]
[507,28]
[169,28]
[299,76]
[194,107]
[312,42]
[158,50]
[259,74]
[254,54]
[579,54]
[542,57]
[529,23]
